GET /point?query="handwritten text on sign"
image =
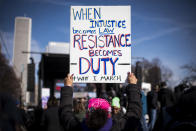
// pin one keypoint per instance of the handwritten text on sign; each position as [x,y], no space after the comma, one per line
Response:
[100,43]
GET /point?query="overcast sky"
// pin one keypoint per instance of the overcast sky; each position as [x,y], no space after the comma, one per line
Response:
[164,29]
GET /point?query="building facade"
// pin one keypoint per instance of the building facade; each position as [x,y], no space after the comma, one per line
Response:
[22,42]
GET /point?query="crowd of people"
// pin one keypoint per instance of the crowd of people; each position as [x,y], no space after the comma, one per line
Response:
[129,109]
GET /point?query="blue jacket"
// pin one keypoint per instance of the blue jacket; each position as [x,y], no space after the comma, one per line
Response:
[144,103]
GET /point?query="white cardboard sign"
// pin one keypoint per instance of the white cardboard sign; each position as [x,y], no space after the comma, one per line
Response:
[100,43]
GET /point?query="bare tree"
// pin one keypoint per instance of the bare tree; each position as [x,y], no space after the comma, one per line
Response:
[166,73]
[154,75]
[154,71]
[191,71]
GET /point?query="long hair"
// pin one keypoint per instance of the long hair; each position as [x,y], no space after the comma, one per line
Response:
[96,119]
[79,107]
[9,83]
[52,102]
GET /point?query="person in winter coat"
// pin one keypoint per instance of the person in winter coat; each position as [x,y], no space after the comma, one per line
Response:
[116,109]
[50,118]
[181,116]
[165,96]
[144,111]
[79,109]
[98,117]
[9,96]
[152,102]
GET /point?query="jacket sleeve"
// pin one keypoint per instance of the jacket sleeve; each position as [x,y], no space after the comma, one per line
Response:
[68,120]
[134,108]
[66,100]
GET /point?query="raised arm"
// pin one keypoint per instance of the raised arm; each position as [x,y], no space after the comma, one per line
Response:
[67,93]
[68,120]
[134,108]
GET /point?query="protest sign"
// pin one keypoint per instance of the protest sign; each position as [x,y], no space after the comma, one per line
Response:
[100,43]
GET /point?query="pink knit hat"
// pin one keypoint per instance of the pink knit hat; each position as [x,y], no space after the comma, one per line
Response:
[99,103]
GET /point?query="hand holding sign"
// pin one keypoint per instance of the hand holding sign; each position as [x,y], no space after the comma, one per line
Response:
[68,81]
[131,78]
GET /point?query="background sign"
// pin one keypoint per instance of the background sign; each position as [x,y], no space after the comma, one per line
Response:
[100,43]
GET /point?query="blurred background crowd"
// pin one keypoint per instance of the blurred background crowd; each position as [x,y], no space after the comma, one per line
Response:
[163,108]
